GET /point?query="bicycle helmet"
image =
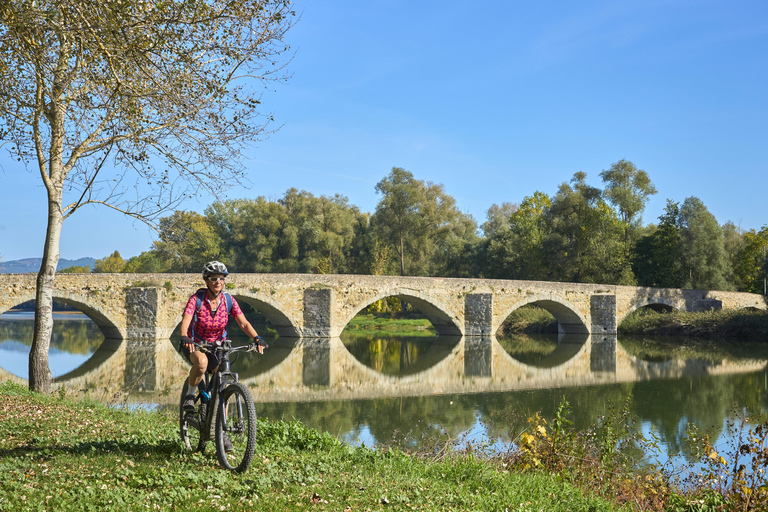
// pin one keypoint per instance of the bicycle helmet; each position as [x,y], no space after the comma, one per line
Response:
[214,267]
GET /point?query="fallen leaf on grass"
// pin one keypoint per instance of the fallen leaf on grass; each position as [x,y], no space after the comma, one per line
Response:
[315,499]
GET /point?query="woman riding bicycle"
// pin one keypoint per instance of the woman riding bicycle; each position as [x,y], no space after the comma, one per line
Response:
[205,321]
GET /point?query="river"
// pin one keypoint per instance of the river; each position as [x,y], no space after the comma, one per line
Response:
[420,391]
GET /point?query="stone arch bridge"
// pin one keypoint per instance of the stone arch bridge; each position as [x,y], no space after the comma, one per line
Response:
[148,306]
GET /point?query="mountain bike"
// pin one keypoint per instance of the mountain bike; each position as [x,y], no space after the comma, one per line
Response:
[224,413]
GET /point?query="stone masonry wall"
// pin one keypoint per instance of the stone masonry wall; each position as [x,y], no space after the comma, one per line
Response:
[149,306]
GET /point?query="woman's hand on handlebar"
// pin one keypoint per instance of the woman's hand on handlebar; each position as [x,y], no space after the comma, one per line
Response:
[189,343]
[258,345]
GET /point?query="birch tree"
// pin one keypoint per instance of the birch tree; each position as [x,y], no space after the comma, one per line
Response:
[132,105]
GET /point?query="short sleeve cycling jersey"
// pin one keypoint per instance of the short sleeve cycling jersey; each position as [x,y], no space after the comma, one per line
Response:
[209,325]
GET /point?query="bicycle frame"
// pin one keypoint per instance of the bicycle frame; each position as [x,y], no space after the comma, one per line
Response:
[221,378]
[229,415]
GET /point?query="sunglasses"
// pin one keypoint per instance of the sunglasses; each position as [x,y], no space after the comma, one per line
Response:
[217,279]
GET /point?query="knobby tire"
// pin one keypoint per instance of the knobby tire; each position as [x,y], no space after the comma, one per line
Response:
[240,426]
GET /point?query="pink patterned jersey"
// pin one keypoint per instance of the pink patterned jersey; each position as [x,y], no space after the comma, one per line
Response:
[210,325]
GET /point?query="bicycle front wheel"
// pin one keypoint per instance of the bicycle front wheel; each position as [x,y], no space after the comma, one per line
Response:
[236,428]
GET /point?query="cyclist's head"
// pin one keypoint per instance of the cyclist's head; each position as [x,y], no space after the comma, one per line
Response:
[214,267]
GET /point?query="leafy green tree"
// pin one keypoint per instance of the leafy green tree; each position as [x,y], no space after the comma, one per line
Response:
[113,263]
[516,251]
[381,258]
[255,235]
[498,218]
[298,233]
[703,247]
[734,244]
[584,237]
[186,242]
[324,227]
[422,224]
[751,269]
[120,104]
[628,189]
[147,262]
[397,216]
[368,254]
[76,269]
[658,258]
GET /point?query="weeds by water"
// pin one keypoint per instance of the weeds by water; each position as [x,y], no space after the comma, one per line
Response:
[609,459]
[741,324]
[733,478]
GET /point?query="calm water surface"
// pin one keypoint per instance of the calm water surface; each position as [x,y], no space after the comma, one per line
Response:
[382,388]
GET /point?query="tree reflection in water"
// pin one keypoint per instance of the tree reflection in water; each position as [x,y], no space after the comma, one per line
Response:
[543,350]
[74,339]
[394,355]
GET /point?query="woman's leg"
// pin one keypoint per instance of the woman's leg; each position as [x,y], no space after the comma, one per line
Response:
[199,363]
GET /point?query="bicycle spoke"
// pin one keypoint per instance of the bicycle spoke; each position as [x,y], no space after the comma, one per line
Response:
[236,429]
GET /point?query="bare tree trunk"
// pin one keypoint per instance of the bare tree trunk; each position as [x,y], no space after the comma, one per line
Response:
[39,371]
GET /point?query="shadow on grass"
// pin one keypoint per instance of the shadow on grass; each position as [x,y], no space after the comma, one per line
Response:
[162,447]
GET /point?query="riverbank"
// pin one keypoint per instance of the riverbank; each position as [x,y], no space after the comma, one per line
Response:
[365,323]
[59,454]
[742,324]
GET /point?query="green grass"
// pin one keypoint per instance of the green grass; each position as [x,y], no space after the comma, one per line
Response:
[529,319]
[364,323]
[740,324]
[77,455]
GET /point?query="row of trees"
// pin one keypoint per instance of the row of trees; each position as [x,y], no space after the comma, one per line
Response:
[581,234]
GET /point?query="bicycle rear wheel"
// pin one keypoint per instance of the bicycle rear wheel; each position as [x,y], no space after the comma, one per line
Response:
[238,424]
[190,424]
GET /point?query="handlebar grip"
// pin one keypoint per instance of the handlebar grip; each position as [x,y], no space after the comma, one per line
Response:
[258,341]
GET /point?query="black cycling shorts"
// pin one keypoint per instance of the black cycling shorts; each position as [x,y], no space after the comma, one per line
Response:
[213,361]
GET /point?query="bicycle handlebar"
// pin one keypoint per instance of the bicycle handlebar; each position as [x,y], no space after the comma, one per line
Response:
[226,345]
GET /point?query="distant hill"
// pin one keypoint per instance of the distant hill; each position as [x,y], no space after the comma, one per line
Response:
[33,265]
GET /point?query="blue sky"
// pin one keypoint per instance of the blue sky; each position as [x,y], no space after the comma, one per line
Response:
[495,101]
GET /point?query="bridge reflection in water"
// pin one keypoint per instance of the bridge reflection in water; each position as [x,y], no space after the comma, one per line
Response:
[317,369]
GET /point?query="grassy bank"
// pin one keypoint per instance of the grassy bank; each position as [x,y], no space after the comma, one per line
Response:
[741,324]
[58,454]
[62,454]
[529,319]
[364,323]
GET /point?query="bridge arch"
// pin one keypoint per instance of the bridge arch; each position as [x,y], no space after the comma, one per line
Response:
[569,319]
[430,307]
[272,311]
[285,325]
[86,305]
[663,303]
